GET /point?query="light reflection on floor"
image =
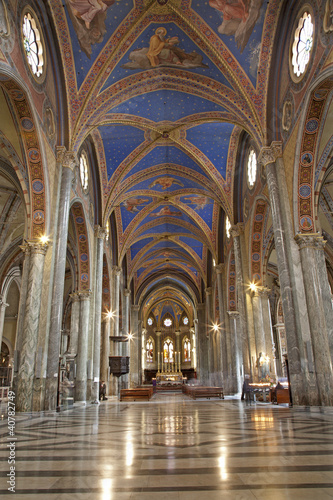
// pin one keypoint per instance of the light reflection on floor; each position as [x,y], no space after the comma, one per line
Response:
[175,448]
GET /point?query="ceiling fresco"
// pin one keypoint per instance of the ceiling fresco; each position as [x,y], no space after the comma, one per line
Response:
[165,87]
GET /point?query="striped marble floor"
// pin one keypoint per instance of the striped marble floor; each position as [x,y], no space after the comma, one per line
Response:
[171,448]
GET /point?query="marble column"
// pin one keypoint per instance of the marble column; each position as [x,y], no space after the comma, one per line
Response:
[178,349]
[236,232]
[3,306]
[21,313]
[126,331]
[271,159]
[135,348]
[25,377]
[222,345]
[196,337]
[105,352]
[269,342]
[158,351]
[116,272]
[75,321]
[235,351]
[202,345]
[68,162]
[311,245]
[258,327]
[99,235]
[82,355]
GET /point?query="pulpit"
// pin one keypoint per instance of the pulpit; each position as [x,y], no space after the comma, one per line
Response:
[119,365]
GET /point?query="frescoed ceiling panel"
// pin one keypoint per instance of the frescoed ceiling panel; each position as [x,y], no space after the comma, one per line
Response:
[165,105]
[162,84]
[213,140]
[119,141]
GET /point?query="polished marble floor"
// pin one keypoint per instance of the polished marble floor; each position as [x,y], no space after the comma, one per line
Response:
[171,448]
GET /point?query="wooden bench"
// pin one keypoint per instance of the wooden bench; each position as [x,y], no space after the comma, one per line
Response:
[203,392]
[137,394]
[282,396]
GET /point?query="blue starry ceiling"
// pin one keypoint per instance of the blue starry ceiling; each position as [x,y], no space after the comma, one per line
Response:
[184,83]
[166,105]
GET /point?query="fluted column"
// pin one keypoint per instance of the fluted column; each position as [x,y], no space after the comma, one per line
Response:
[311,246]
[105,352]
[271,159]
[66,160]
[82,355]
[223,352]
[25,377]
[135,348]
[99,235]
[75,322]
[236,231]
[3,306]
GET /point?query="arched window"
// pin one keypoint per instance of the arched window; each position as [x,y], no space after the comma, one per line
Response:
[251,168]
[84,171]
[33,44]
[168,351]
[150,350]
[187,349]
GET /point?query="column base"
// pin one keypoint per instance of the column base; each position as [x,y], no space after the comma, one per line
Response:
[51,392]
[81,391]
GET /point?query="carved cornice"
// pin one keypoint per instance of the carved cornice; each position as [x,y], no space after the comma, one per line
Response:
[310,240]
[84,295]
[75,296]
[66,158]
[233,313]
[116,270]
[34,247]
[208,290]
[100,232]
[127,292]
[219,268]
[269,154]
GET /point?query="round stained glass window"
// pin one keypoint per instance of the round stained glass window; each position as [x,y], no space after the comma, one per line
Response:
[185,320]
[84,171]
[150,321]
[33,46]
[167,322]
[252,168]
[302,45]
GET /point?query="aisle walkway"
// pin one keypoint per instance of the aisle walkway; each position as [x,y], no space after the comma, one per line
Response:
[172,448]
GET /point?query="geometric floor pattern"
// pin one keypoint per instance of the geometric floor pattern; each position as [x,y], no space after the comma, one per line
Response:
[172,448]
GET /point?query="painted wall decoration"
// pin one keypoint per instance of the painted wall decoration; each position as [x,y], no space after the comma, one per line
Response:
[163,51]
[232,283]
[82,238]
[165,183]
[132,204]
[239,18]
[257,241]
[166,211]
[88,18]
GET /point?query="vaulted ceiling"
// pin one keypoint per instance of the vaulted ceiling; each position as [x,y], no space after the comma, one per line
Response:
[165,119]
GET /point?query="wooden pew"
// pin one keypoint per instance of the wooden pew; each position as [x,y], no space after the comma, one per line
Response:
[195,392]
[137,394]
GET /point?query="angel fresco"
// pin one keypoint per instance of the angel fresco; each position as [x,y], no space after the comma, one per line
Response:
[199,201]
[131,204]
[163,51]
[239,18]
[165,182]
[88,19]
[165,211]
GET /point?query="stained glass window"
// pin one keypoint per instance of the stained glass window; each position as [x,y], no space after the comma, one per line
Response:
[84,171]
[167,322]
[187,349]
[252,168]
[185,320]
[32,44]
[168,351]
[227,227]
[150,321]
[149,350]
[302,45]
